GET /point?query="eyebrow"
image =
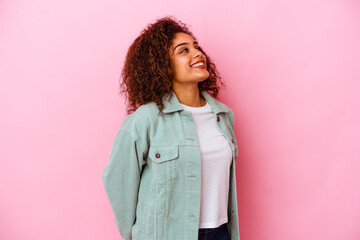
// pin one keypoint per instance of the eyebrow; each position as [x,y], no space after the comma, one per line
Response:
[185,43]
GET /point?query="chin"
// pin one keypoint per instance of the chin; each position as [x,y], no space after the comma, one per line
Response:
[203,79]
[206,76]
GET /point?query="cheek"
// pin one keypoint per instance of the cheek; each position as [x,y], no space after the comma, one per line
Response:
[180,67]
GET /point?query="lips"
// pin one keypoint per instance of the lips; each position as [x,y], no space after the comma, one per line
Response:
[199,64]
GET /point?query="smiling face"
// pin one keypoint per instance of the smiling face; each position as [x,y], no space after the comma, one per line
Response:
[187,61]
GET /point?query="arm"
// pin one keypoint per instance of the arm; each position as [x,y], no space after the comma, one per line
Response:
[232,123]
[121,179]
[231,118]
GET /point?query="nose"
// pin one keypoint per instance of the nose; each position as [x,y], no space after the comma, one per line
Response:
[198,53]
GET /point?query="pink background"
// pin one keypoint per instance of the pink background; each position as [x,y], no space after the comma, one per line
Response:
[292,74]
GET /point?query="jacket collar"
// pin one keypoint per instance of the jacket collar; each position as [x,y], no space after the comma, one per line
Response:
[172,104]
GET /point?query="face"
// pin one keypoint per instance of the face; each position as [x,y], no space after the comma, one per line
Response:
[187,61]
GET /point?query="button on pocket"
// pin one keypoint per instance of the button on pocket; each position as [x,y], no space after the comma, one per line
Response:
[164,158]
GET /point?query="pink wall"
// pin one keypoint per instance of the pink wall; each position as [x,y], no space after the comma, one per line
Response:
[292,74]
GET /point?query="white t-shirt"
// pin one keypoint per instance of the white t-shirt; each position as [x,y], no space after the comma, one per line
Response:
[216,159]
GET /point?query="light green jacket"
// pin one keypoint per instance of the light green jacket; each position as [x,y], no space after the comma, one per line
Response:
[153,178]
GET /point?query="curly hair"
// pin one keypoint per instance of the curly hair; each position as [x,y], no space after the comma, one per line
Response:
[147,73]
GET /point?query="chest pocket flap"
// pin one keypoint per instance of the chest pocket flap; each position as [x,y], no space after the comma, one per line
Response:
[163,153]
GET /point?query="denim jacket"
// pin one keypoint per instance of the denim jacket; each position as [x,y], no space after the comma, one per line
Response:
[153,178]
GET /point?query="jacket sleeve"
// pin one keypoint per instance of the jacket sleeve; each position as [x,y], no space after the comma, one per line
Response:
[121,179]
[231,118]
[232,123]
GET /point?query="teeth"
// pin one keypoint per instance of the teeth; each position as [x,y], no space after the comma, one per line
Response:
[198,64]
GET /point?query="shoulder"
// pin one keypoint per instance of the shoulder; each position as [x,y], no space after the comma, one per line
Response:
[223,107]
[227,110]
[216,104]
[142,118]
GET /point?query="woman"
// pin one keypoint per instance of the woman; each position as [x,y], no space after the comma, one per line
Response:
[171,174]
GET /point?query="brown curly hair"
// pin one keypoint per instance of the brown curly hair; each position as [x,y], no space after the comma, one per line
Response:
[147,73]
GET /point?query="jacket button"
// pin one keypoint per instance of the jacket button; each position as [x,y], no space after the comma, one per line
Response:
[157,155]
[218,118]
[232,140]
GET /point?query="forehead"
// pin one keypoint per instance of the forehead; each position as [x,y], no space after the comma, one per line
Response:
[181,38]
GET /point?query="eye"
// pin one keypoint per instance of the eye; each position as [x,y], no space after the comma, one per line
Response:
[185,49]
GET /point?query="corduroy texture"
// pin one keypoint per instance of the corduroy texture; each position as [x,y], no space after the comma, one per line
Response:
[153,179]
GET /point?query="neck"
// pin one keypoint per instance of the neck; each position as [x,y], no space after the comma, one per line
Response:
[189,95]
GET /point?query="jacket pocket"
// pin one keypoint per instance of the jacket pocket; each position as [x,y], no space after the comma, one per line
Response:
[164,158]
